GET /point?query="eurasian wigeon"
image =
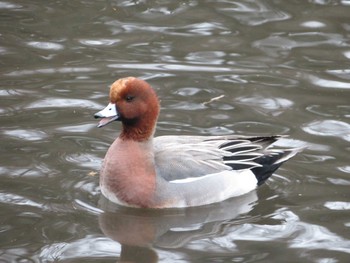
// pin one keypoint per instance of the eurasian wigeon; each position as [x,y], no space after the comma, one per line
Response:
[176,171]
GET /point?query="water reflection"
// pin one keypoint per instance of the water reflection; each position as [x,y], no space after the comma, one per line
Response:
[277,67]
[272,106]
[329,128]
[251,13]
[19,73]
[45,45]
[173,228]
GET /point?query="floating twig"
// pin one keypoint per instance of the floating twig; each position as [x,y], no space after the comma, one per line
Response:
[213,99]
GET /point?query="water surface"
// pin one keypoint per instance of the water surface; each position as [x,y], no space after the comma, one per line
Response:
[275,67]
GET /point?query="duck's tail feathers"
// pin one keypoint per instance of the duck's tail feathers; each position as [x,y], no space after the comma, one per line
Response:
[270,161]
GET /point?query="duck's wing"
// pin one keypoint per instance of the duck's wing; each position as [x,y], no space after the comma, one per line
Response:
[183,157]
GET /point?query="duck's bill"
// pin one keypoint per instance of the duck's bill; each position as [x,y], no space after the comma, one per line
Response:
[105,121]
[107,115]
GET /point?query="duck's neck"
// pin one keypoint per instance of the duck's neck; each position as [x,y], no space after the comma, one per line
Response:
[139,131]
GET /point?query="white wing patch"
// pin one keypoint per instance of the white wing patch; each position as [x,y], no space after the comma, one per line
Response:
[214,187]
[191,179]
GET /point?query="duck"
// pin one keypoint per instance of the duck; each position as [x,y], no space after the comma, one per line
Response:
[173,171]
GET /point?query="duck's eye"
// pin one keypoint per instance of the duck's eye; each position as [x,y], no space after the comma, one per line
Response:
[129,98]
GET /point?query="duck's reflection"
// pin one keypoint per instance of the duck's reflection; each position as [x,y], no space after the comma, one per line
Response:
[139,230]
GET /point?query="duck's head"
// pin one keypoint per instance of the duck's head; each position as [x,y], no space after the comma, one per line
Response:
[133,102]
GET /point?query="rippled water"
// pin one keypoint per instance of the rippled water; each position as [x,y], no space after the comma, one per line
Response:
[219,67]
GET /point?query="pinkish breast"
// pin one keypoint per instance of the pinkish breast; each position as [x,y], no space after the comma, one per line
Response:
[128,172]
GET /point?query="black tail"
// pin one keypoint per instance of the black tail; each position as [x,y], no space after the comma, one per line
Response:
[254,153]
[270,163]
